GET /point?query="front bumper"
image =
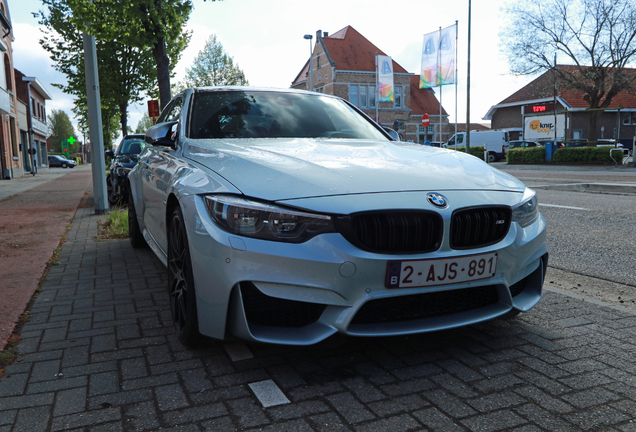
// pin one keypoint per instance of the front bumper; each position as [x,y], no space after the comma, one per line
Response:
[300,294]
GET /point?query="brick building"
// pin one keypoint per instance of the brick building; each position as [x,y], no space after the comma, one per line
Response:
[32,97]
[538,96]
[344,65]
[10,161]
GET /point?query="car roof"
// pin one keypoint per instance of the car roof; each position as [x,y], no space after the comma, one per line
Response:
[258,89]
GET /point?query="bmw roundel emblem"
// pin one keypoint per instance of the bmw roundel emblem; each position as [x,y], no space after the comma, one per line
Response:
[437,200]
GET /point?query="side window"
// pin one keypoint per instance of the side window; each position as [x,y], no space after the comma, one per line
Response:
[172,111]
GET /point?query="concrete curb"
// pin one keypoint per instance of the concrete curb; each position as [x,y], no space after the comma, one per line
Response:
[593,187]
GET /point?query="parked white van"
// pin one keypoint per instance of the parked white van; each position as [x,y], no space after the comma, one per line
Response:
[495,142]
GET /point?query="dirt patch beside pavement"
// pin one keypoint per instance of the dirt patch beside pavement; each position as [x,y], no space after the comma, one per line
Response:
[591,289]
[31,226]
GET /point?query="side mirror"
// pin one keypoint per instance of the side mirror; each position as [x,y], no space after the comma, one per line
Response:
[162,134]
[109,153]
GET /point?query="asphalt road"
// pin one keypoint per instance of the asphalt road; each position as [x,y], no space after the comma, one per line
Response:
[591,234]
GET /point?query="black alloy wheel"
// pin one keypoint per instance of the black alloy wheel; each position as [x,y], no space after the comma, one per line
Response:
[134,232]
[181,281]
[110,190]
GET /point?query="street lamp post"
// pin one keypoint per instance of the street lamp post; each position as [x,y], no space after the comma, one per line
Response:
[311,61]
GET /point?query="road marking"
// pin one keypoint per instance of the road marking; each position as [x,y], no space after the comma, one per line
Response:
[268,393]
[565,207]
[238,351]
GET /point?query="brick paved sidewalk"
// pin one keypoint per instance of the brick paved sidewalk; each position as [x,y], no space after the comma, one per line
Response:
[99,354]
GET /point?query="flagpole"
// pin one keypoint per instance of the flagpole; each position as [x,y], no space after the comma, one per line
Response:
[456,76]
[468,85]
[439,59]
[377,91]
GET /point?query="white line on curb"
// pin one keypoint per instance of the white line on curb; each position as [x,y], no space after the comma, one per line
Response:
[565,207]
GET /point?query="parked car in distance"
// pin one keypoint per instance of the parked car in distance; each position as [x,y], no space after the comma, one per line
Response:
[521,144]
[124,158]
[60,161]
[286,217]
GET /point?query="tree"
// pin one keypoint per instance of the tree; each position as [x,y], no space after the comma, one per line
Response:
[595,38]
[126,72]
[143,124]
[154,24]
[61,130]
[213,67]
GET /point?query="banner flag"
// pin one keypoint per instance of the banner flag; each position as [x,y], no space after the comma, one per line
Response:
[428,75]
[385,78]
[446,66]
[438,58]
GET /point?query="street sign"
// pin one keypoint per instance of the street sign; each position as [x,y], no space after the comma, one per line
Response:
[425,120]
[153,109]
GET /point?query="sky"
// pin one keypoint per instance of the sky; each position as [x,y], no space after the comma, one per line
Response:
[265,38]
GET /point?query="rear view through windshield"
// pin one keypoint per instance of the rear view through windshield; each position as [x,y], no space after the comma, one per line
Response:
[238,114]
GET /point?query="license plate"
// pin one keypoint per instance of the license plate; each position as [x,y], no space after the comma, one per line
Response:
[442,271]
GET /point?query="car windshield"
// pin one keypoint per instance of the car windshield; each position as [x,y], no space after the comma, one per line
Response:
[132,146]
[239,114]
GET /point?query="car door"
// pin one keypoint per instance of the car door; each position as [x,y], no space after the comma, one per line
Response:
[157,167]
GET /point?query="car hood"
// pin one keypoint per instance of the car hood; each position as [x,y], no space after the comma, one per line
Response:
[276,169]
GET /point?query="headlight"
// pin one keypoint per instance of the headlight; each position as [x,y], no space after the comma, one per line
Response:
[528,211]
[264,221]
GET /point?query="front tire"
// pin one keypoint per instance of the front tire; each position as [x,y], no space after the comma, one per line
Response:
[181,290]
[110,190]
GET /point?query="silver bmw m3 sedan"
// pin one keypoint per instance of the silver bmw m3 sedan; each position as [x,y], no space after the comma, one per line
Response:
[286,216]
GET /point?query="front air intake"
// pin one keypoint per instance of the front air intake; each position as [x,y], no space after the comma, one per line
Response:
[393,232]
[476,227]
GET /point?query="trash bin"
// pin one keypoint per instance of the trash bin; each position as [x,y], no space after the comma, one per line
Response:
[550,148]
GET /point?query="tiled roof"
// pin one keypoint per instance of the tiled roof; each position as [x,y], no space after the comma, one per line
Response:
[422,100]
[352,51]
[543,87]
[349,50]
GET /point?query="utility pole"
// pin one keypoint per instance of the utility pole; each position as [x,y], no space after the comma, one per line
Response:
[95,124]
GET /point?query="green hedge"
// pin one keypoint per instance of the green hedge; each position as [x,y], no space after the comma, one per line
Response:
[532,155]
[587,155]
[477,151]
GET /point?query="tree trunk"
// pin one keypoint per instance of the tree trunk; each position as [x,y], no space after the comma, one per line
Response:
[123,116]
[163,71]
[593,128]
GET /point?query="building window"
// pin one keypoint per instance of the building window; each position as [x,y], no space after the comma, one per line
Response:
[363,96]
[353,94]
[318,60]
[397,102]
[7,72]
[627,118]
[577,134]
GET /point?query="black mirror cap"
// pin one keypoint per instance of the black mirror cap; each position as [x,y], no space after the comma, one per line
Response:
[161,134]
[110,153]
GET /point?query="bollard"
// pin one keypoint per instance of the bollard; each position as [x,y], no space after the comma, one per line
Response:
[485,155]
